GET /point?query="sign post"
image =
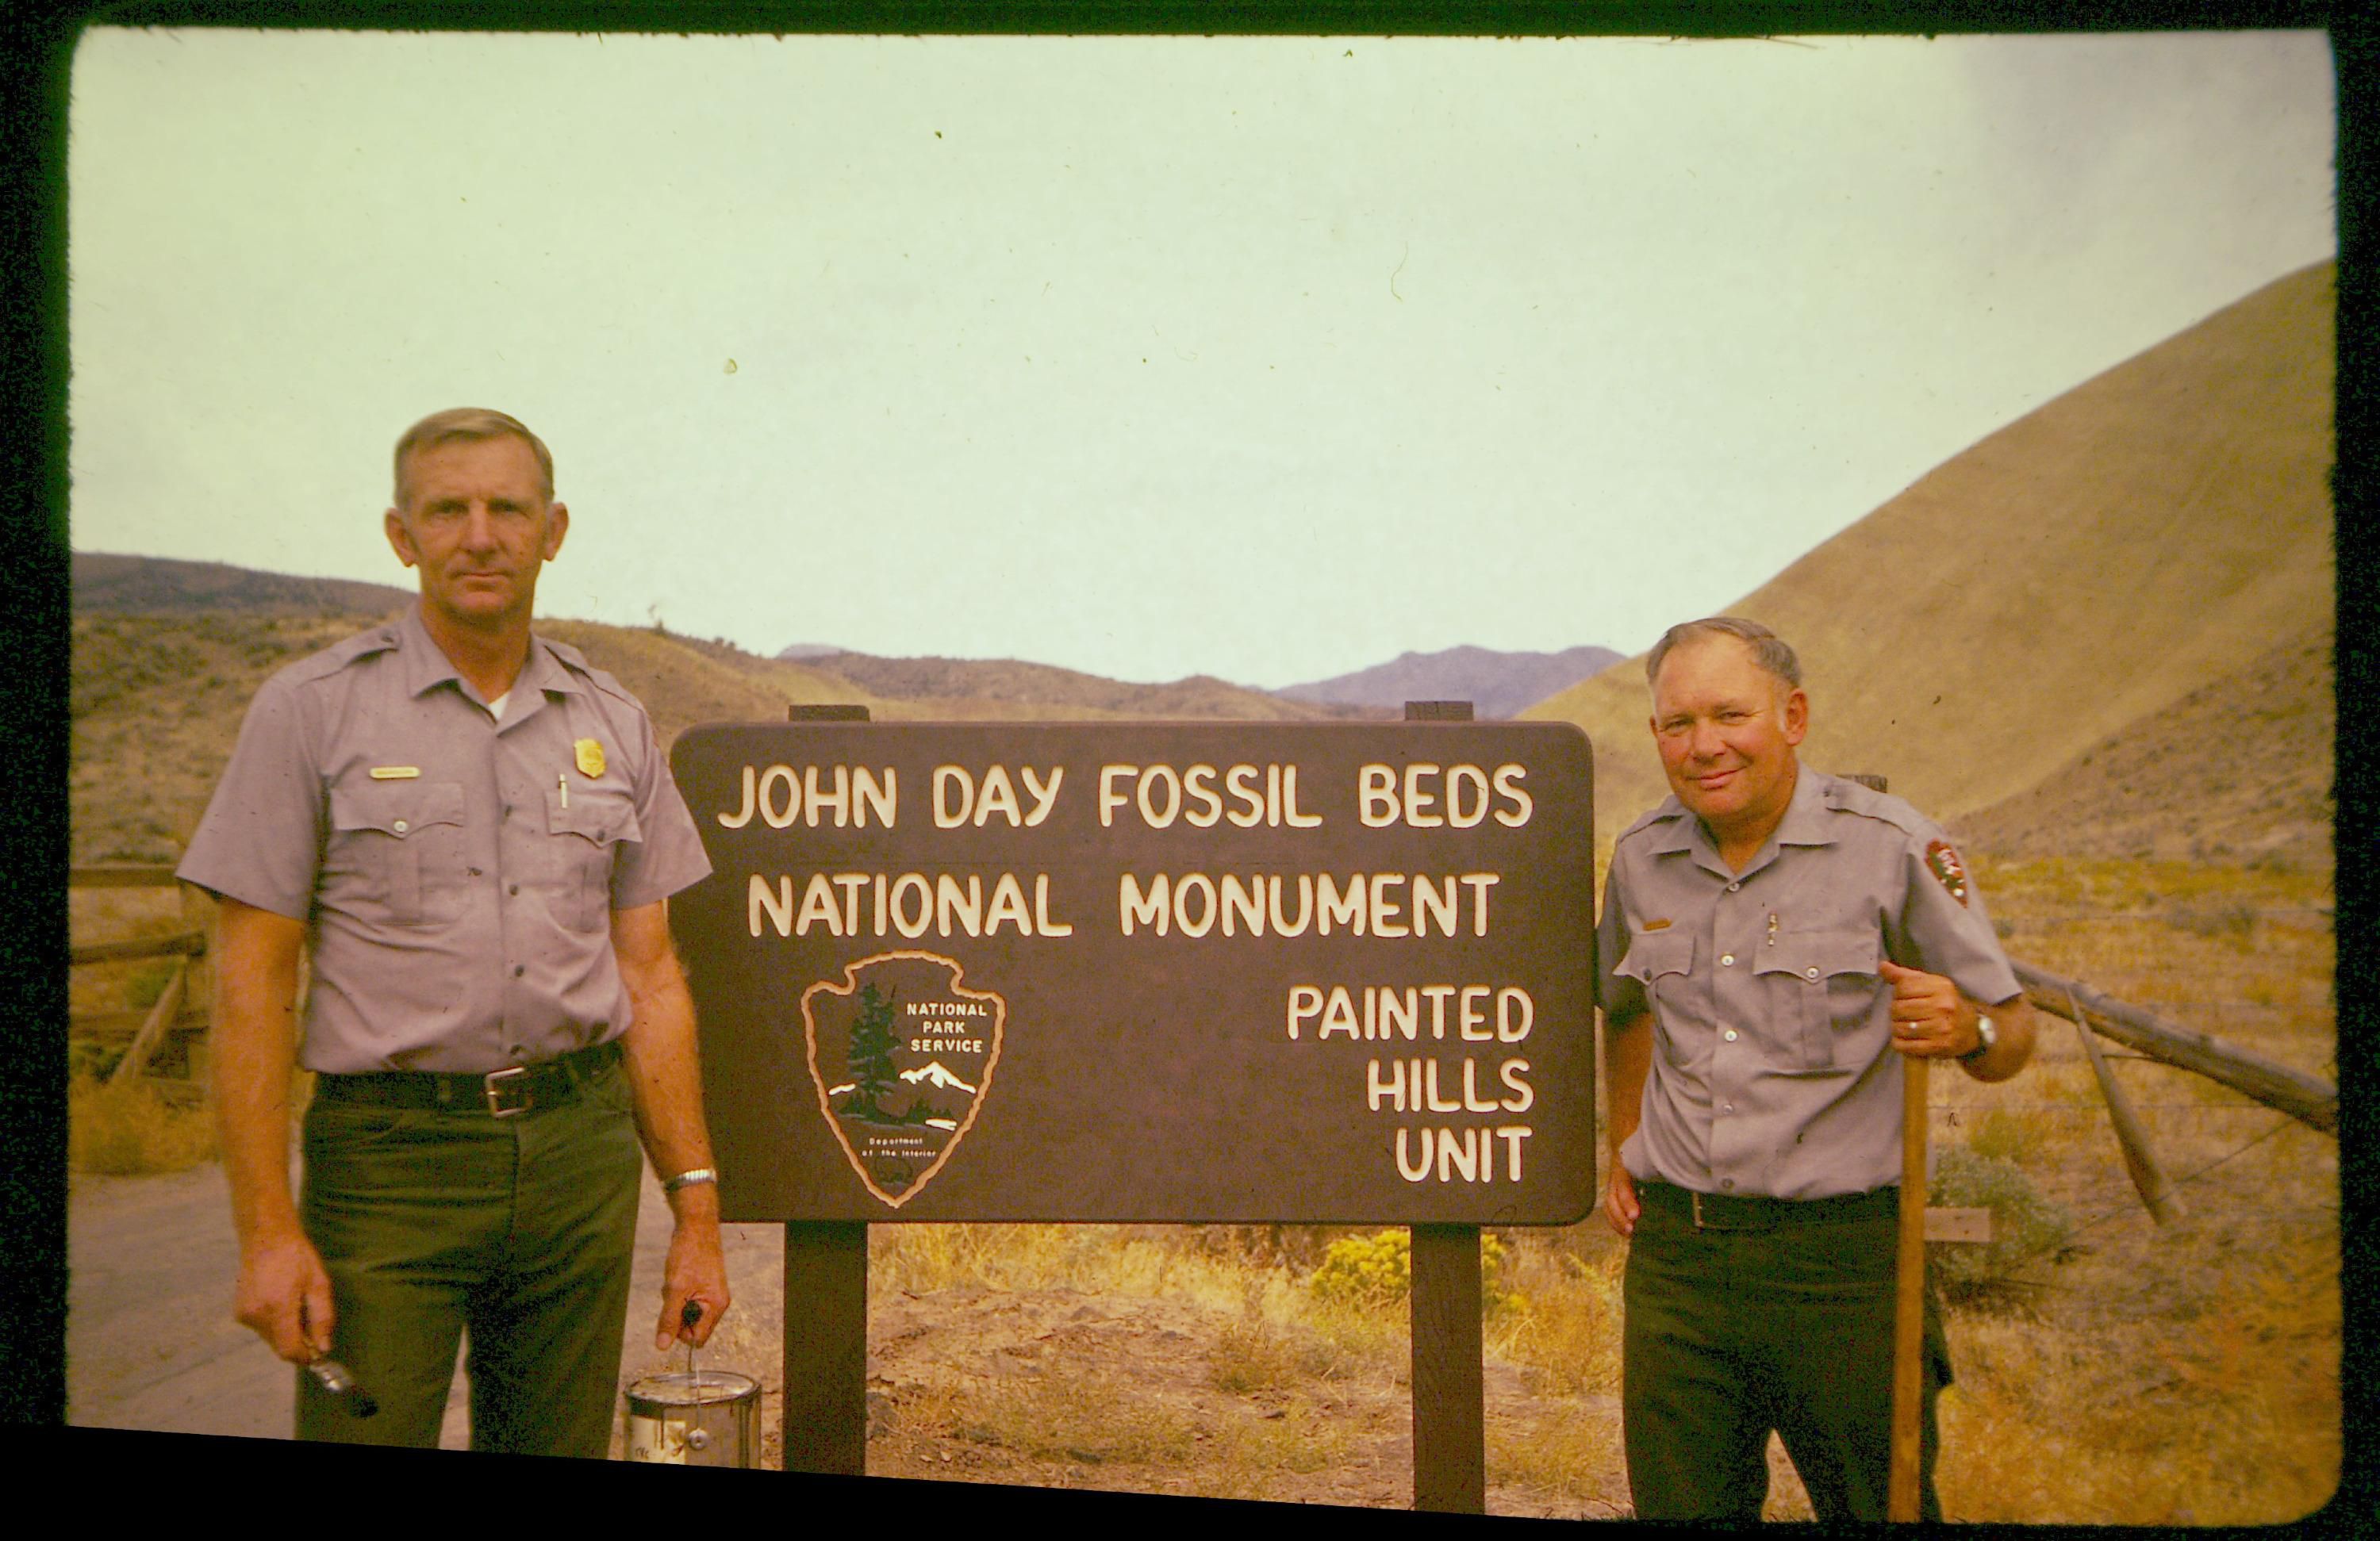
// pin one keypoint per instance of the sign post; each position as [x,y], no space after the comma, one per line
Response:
[1450,1393]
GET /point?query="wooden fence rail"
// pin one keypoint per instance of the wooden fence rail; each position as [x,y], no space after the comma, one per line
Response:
[170,1034]
[2308,1099]
[179,945]
[106,875]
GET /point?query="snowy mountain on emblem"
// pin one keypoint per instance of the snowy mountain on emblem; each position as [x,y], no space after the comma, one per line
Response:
[932,1071]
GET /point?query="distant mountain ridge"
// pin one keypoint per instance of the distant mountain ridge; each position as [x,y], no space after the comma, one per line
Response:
[162,586]
[977,687]
[1496,683]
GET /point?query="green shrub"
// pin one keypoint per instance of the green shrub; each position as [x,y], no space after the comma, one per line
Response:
[1370,1270]
[2025,1227]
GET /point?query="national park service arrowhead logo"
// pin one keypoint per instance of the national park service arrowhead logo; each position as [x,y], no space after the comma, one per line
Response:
[902,1056]
[1943,862]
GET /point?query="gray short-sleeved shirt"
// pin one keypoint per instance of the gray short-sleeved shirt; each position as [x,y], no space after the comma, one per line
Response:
[1773,1071]
[456,874]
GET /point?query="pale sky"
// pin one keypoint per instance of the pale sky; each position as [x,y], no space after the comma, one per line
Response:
[1268,359]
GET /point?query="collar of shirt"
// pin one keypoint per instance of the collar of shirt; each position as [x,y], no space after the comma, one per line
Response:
[427,667]
[1806,823]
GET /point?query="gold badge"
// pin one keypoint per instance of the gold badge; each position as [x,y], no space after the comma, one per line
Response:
[395,772]
[590,758]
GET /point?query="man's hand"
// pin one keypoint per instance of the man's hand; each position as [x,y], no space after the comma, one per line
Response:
[695,1274]
[1620,1206]
[286,1297]
[1930,1018]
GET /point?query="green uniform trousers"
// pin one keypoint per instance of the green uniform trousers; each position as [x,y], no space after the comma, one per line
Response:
[1731,1333]
[436,1225]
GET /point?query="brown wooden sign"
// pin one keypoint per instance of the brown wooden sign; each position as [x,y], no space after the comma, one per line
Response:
[1160,972]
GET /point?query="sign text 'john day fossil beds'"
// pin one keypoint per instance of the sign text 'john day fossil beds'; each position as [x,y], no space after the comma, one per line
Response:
[1160,972]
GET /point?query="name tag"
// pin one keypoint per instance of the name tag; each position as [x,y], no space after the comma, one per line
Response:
[395,772]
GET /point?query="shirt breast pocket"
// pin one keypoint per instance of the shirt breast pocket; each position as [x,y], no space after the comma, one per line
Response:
[582,838]
[396,851]
[1663,962]
[1822,986]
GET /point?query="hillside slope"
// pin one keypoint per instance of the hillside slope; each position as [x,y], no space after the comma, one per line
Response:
[2146,534]
[161,585]
[970,689]
[2239,768]
[1496,683]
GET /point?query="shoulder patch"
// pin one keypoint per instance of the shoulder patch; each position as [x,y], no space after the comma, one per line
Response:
[1943,862]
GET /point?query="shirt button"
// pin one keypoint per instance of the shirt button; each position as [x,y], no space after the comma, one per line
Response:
[1811,973]
[508,810]
[1727,1182]
[1727,1107]
[515,889]
[1729,1035]
[402,826]
[1726,960]
[475,872]
[517,967]
[1732,886]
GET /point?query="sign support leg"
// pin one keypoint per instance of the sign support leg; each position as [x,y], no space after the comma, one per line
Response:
[825,1426]
[1449,1390]
[825,1398]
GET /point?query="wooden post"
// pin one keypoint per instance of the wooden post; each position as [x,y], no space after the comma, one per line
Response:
[1909,1297]
[1450,1432]
[824,1422]
[1908,1282]
[2148,1175]
[152,1028]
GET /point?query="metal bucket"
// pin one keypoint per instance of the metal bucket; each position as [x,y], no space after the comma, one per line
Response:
[708,1418]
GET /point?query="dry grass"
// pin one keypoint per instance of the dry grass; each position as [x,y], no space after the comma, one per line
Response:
[124,1129]
[1566,1335]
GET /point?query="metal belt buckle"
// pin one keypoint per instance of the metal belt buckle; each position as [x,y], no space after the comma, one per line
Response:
[496,1093]
[1697,1198]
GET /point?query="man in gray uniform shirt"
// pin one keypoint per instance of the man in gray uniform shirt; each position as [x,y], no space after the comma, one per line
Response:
[1772,940]
[477,834]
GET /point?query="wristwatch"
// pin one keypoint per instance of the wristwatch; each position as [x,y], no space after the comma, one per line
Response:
[1985,1036]
[688,1179]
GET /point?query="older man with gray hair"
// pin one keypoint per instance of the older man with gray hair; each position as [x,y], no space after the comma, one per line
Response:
[1773,941]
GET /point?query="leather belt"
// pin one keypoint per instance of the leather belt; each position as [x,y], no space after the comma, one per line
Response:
[499,1093]
[1755,1212]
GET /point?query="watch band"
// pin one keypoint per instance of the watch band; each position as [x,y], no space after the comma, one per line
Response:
[689,1179]
[1986,1035]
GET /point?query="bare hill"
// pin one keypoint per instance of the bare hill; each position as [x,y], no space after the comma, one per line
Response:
[2150,532]
[161,585]
[2238,769]
[1496,683]
[965,688]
